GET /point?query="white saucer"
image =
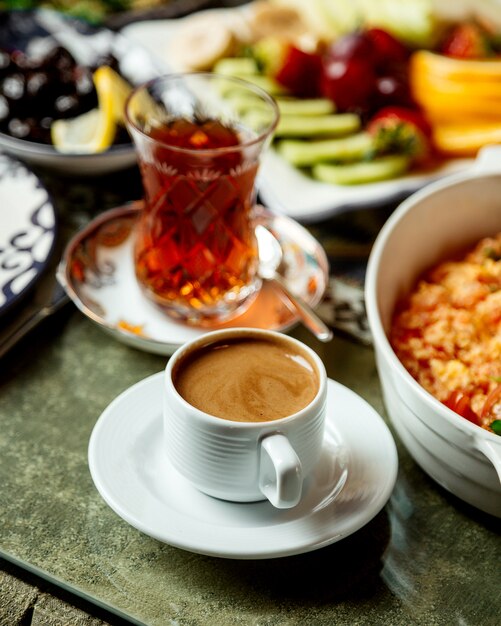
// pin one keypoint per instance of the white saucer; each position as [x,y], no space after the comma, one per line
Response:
[97,272]
[354,479]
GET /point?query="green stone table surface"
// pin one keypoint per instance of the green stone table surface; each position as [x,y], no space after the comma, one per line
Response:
[426,558]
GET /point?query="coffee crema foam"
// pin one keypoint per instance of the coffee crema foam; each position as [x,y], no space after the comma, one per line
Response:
[247,379]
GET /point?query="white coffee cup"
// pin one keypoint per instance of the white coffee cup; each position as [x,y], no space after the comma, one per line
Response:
[245,461]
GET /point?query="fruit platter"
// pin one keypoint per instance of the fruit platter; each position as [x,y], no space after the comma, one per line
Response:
[371,109]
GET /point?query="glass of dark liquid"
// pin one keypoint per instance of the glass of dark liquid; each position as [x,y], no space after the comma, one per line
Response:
[199,139]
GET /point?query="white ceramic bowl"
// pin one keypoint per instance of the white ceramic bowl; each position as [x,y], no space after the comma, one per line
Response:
[114,159]
[430,226]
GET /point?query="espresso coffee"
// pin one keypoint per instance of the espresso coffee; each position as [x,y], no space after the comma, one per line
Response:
[247,379]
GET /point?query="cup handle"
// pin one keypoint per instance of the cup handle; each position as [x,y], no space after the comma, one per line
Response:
[280,472]
[491,451]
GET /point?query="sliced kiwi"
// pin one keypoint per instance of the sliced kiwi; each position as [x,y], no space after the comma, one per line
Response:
[316,125]
[268,84]
[244,102]
[239,66]
[306,153]
[306,107]
[381,168]
[265,82]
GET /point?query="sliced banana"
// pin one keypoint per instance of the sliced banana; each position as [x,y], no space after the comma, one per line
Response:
[313,15]
[267,19]
[201,40]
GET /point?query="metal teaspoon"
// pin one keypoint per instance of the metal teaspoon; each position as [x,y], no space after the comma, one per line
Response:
[270,261]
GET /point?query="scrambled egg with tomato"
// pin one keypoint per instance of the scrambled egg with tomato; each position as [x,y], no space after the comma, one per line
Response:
[448,334]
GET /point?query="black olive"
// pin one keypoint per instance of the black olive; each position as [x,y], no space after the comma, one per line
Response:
[60,59]
[20,61]
[18,128]
[83,81]
[46,122]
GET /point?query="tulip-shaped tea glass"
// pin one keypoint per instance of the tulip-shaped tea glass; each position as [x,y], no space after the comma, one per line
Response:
[199,138]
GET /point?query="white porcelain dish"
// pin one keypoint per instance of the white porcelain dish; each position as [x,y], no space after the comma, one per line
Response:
[30,31]
[354,478]
[27,231]
[282,187]
[433,224]
[37,154]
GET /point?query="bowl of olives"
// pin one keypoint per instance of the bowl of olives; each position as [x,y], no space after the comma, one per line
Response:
[62,88]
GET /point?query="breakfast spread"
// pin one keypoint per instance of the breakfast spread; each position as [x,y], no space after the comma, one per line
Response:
[243,450]
[448,334]
[365,94]
[363,97]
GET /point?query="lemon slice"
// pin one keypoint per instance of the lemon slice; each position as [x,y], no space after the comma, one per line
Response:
[88,133]
[94,131]
[112,92]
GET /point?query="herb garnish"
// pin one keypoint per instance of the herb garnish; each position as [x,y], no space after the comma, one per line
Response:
[496,426]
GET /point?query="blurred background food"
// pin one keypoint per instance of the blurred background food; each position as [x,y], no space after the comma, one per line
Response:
[94,11]
[367,90]
[114,14]
[417,22]
[358,82]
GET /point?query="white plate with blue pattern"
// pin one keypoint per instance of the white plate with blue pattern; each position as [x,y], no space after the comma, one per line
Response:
[27,231]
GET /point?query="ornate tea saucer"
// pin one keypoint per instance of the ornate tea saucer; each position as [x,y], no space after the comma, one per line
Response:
[353,481]
[97,272]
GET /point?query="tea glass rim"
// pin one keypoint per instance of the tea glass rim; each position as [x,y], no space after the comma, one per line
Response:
[206,340]
[211,76]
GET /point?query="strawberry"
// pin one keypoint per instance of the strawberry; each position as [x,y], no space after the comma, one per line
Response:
[467,41]
[402,130]
[300,72]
